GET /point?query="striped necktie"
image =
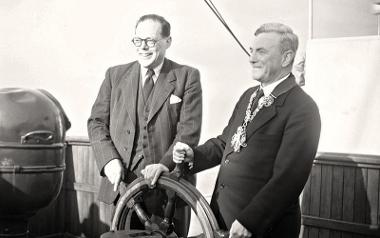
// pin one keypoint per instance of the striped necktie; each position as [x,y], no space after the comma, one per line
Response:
[148,84]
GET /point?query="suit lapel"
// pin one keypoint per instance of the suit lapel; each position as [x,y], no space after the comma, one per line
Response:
[163,88]
[267,113]
[130,87]
[238,121]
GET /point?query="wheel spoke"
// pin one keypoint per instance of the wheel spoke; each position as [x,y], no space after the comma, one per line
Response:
[167,225]
[175,189]
[135,204]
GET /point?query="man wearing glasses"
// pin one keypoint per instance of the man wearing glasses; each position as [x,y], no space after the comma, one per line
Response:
[143,108]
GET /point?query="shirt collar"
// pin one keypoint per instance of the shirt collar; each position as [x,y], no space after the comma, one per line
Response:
[156,70]
[269,88]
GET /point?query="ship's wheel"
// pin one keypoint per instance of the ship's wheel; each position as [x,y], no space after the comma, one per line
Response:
[175,187]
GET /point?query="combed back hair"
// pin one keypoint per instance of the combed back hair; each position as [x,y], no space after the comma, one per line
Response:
[165,25]
[289,40]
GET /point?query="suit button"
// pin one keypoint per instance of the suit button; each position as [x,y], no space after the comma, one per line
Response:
[222,186]
[144,127]
[144,146]
[128,132]
[141,156]
[227,161]
[125,148]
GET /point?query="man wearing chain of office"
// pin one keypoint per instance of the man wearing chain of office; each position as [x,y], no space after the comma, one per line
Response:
[267,149]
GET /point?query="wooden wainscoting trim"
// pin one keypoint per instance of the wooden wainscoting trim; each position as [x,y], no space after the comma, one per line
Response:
[83,187]
[332,224]
[77,140]
[348,160]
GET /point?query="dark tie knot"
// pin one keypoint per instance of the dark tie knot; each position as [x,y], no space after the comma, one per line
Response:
[260,93]
[149,73]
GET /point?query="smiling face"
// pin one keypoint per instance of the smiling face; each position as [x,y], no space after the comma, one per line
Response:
[266,58]
[151,57]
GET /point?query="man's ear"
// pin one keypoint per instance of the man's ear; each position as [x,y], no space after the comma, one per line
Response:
[168,41]
[287,58]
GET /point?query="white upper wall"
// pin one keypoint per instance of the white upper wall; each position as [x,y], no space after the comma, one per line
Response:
[345,86]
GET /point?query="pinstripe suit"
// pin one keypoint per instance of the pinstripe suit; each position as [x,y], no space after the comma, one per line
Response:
[112,124]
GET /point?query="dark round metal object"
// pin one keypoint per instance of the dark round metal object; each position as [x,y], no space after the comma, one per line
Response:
[32,155]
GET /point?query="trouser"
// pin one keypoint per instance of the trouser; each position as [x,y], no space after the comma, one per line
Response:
[288,226]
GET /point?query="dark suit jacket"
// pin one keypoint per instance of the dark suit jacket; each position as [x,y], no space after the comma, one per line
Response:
[112,124]
[261,184]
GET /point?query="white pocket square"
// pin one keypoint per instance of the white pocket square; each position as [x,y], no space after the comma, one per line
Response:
[174,99]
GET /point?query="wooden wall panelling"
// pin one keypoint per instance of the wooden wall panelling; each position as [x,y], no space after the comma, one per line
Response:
[83,207]
[81,177]
[93,217]
[315,199]
[93,207]
[326,190]
[378,206]
[305,206]
[360,201]
[105,216]
[337,197]
[354,208]
[71,214]
[373,197]
[348,198]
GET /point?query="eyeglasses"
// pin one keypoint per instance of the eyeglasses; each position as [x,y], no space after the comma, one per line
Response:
[148,41]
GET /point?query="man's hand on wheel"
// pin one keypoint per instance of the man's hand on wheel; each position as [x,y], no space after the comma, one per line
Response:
[153,171]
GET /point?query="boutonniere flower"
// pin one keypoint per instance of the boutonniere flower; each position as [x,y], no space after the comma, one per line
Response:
[266,101]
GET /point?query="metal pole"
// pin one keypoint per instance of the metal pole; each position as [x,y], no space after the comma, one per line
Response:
[311,20]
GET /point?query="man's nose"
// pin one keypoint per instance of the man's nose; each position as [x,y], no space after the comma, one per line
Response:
[253,57]
[144,45]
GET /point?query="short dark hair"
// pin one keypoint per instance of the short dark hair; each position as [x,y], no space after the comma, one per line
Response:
[289,40]
[165,25]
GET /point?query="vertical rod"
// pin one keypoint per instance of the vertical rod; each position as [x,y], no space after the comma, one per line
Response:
[311,33]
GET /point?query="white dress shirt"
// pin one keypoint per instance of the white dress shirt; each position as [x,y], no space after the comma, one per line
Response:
[269,88]
[156,70]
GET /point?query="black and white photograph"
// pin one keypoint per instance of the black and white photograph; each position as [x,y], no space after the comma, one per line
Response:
[189,119]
